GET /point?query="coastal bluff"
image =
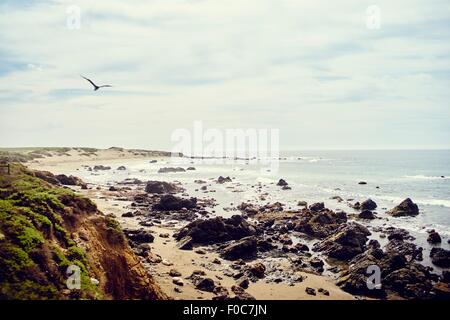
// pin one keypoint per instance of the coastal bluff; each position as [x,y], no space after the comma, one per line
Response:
[46,228]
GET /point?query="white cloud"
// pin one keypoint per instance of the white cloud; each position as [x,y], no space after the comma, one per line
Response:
[300,66]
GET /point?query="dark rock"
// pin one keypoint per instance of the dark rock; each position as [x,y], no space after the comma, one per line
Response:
[223,180]
[434,237]
[205,284]
[406,208]
[221,293]
[242,249]
[264,245]
[131,182]
[121,168]
[68,180]
[248,208]
[446,276]
[302,204]
[170,203]
[366,214]
[240,294]
[324,292]
[282,183]
[362,182]
[217,230]
[368,204]
[174,273]
[319,206]
[373,244]
[317,264]
[337,198]
[407,249]
[101,167]
[319,224]
[128,214]
[356,205]
[244,283]
[139,236]
[186,243]
[407,279]
[112,188]
[348,241]
[171,170]
[440,257]
[258,269]
[300,247]
[310,291]
[160,187]
[47,176]
[398,234]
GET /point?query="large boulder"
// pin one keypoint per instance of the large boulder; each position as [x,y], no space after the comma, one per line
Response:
[434,237]
[216,230]
[160,187]
[282,183]
[348,241]
[242,249]
[406,208]
[368,204]
[440,257]
[170,203]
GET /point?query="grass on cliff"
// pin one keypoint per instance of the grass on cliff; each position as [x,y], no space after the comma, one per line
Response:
[35,246]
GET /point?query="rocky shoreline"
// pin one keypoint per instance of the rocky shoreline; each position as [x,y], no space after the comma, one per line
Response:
[250,246]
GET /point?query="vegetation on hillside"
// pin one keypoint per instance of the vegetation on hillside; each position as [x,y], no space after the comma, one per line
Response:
[40,230]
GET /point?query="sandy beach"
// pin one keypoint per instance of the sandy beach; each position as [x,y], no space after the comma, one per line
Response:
[184,261]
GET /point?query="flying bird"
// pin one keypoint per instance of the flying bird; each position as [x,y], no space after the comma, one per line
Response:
[96,87]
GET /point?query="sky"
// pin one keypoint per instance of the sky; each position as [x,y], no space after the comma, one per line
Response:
[321,72]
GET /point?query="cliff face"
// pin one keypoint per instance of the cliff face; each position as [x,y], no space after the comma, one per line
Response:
[45,228]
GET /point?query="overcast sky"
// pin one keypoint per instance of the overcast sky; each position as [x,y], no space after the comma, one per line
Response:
[312,69]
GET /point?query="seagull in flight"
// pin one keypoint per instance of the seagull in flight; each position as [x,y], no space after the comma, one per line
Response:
[96,87]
